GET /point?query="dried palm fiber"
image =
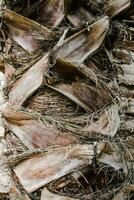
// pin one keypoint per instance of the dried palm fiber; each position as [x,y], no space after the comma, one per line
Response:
[47,99]
[80,125]
[62,124]
[108,123]
[81,93]
[27,62]
[24,30]
[34,133]
[32,79]
[78,156]
[79,46]
[112,156]
[14,144]
[115,7]
[79,87]
[85,65]
[17,54]
[68,159]
[90,170]
[87,178]
[18,57]
[49,102]
[38,102]
[103,73]
[80,16]
[51,13]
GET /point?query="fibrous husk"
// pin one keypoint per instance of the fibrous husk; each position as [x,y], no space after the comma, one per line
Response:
[74,71]
[66,98]
[52,103]
[42,169]
[28,83]
[82,44]
[111,156]
[108,123]
[115,7]
[34,133]
[80,15]
[87,97]
[24,31]
[52,13]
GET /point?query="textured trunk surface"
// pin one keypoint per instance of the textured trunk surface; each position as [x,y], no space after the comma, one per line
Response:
[66,99]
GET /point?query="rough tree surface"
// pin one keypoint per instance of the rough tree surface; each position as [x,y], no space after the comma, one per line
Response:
[66,100]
